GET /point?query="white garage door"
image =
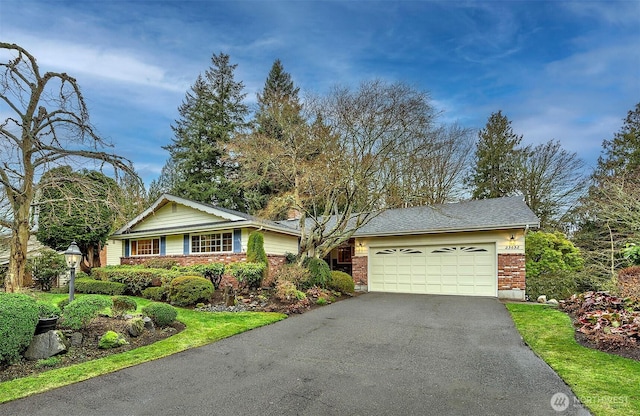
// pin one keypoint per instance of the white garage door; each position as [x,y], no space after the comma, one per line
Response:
[446,270]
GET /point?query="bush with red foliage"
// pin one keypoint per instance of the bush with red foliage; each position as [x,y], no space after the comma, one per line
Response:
[610,322]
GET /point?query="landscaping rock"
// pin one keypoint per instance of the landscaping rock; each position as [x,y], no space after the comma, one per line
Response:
[46,345]
[542,299]
[148,323]
[76,339]
[135,327]
[552,302]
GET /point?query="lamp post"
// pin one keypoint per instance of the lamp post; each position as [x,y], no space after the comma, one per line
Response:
[72,256]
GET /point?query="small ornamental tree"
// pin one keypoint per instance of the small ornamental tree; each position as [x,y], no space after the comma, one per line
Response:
[46,267]
[256,253]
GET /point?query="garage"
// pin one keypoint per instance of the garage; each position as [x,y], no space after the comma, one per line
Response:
[442,269]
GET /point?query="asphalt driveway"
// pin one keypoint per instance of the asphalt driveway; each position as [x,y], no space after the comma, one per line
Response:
[377,354]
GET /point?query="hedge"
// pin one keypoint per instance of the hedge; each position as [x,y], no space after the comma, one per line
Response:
[98,287]
[136,278]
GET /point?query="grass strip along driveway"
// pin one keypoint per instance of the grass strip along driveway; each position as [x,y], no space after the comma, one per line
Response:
[605,383]
[201,328]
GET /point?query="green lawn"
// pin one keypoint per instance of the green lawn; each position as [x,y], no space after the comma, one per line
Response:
[607,384]
[201,328]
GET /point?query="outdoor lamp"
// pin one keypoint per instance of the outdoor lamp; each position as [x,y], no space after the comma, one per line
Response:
[72,256]
[512,241]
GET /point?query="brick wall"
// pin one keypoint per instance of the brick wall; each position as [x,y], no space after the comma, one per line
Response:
[275,261]
[359,270]
[511,271]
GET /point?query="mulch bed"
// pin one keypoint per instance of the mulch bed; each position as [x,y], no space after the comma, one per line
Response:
[89,349]
[633,353]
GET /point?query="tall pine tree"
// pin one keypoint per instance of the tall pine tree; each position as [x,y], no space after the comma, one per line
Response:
[497,159]
[279,115]
[211,115]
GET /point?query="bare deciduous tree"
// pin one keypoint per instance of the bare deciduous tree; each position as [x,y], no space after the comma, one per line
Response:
[432,168]
[47,126]
[341,164]
[551,180]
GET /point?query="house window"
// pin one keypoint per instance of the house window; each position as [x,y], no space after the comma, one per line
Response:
[345,254]
[212,243]
[149,247]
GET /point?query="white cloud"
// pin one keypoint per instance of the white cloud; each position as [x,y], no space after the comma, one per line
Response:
[114,65]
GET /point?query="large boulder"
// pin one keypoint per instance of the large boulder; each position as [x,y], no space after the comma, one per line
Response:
[46,345]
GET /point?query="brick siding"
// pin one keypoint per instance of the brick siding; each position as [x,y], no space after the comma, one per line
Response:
[275,261]
[359,270]
[511,271]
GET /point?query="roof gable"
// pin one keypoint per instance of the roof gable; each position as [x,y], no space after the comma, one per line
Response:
[176,211]
[170,212]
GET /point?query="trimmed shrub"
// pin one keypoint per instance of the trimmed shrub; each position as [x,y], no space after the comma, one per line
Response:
[161,314]
[341,282]
[83,310]
[247,274]
[629,282]
[47,310]
[189,290]
[122,304]
[320,272]
[18,320]
[158,294]
[293,273]
[136,278]
[98,287]
[111,339]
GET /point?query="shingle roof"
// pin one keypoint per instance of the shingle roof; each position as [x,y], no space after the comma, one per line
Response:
[485,214]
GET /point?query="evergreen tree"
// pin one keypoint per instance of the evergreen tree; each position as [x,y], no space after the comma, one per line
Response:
[621,155]
[497,159]
[88,220]
[166,183]
[211,115]
[278,115]
[608,217]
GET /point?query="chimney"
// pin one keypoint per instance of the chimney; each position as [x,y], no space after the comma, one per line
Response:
[293,214]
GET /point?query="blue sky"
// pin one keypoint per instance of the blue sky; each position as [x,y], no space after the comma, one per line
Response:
[565,70]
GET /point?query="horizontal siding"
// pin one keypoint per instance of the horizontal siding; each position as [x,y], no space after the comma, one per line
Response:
[275,243]
[174,245]
[114,252]
[183,215]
